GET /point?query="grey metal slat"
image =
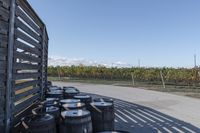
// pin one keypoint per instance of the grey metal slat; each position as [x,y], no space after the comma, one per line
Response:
[2,82]
[3,51]
[2,77]
[4,14]
[26,57]
[2,71]
[3,38]
[27,29]
[19,76]
[2,110]
[26,93]
[3,27]
[2,57]
[26,38]
[2,95]
[5,4]
[26,84]
[21,66]
[3,44]
[3,31]
[2,120]
[2,64]
[25,103]
[2,86]
[32,14]
[27,20]
[27,48]
[24,113]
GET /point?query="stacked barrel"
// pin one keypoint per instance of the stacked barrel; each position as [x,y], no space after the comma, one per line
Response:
[66,110]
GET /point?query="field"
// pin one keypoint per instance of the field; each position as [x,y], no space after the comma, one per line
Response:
[190,91]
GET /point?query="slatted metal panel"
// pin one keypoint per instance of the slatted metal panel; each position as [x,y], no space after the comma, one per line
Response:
[31,41]
[23,60]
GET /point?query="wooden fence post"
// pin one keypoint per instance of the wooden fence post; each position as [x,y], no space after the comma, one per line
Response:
[163,82]
[133,80]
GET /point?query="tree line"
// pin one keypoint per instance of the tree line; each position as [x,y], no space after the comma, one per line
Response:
[186,76]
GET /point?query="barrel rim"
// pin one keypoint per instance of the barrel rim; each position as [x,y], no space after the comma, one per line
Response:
[64,101]
[82,114]
[102,104]
[50,120]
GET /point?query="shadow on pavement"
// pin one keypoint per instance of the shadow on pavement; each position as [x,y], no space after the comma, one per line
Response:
[140,119]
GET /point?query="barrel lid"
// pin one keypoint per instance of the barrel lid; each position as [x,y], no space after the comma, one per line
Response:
[75,113]
[73,105]
[104,100]
[113,132]
[51,109]
[71,91]
[47,102]
[52,99]
[101,104]
[69,101]
[38,109]
[38,119]
[55,92]
[82,96]
[70,88]
[49,82]
[66,87]
[54,88]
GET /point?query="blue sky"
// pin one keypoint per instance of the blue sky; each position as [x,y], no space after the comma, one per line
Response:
[158,32]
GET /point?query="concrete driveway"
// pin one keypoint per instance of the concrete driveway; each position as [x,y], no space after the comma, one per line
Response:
[180,107]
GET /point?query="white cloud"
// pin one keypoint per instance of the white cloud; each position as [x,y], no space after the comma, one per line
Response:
[62,61]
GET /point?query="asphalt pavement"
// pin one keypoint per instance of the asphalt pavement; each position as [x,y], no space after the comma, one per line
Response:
[180,107]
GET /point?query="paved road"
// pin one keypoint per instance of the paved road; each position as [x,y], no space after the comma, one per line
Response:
[183,108]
